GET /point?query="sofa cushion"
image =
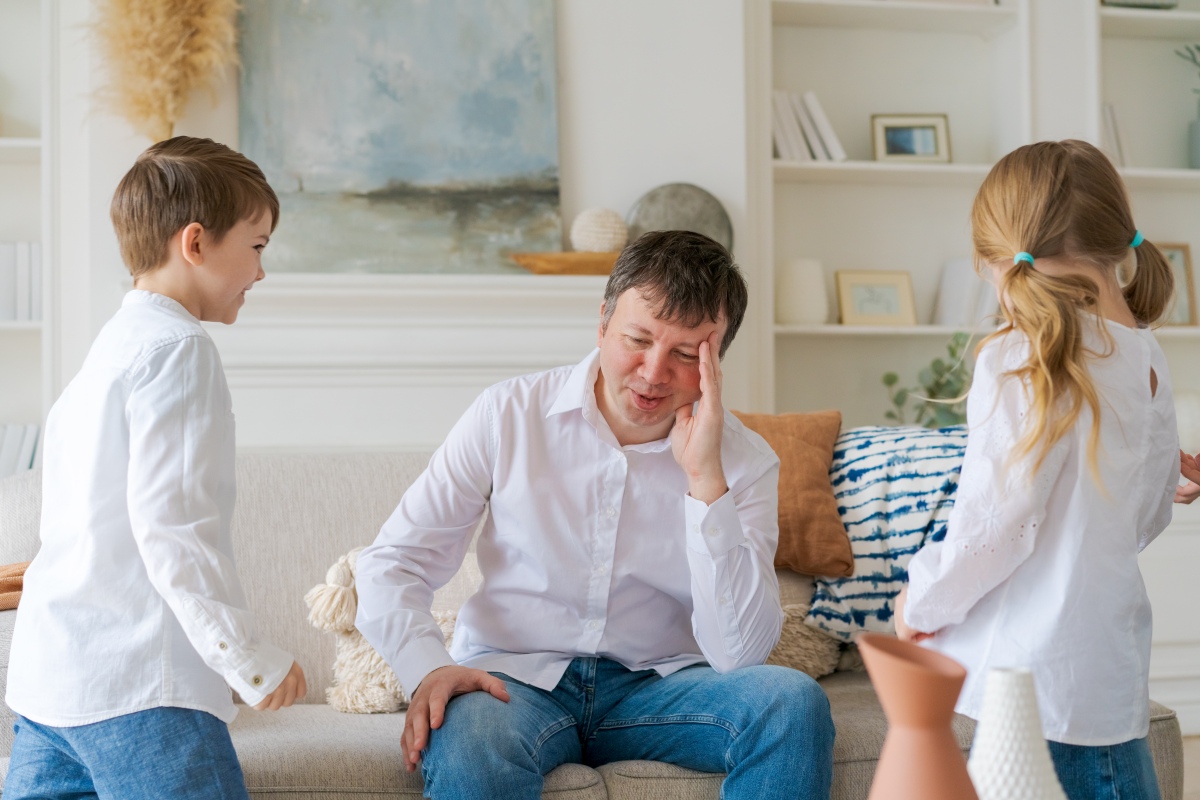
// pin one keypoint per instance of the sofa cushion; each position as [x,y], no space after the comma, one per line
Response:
[313,751]
[20,516]
[895,488]
[812,539]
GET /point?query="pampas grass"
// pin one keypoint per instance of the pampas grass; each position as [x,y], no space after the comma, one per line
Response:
[157,52]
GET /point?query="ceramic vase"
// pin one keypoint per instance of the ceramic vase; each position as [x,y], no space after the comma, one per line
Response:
[1010,759]
[921,758]
[800,297]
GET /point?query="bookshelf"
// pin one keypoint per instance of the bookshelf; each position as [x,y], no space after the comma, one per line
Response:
[23,345]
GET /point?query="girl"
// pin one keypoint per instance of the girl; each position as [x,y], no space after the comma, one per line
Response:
[1070,469]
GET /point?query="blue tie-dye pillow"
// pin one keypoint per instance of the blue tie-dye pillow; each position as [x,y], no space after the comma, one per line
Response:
[894,488]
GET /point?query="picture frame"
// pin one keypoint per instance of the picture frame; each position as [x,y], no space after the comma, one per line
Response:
[875,297]
[913,138]
[1183,311]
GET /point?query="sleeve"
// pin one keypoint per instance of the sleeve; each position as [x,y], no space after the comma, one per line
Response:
[1161,516]
[736,616]
[422,546]
[180,469]
[997,511]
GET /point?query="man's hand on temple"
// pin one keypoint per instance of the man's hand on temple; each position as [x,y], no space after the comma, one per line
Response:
[696,435]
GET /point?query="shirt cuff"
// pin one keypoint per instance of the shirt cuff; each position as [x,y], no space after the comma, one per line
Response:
[417,659]
[260,673]
[713,529]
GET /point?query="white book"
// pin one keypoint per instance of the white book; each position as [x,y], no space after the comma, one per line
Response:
[958,294]
[35,282]
[10,449]
[793,141]
[28,446]
[828,137]
[24,276]
[8,281]
[809,129]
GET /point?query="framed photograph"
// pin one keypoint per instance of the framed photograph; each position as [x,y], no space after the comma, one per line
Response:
[911,137]
[1183,310]
[875,298]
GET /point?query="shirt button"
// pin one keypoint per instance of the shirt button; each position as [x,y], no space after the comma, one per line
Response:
[695,529]
[610,512]
[601,569]
[256,680]
[593,625]
[725,600]
[713,531]
[223,646]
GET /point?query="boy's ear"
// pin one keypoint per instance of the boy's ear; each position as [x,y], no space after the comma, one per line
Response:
[191,244]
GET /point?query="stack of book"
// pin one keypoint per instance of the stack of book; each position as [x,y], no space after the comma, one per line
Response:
[18,448]
[802,131]
[20,281]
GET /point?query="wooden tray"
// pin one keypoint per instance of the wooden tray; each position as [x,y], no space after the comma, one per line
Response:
[566,263]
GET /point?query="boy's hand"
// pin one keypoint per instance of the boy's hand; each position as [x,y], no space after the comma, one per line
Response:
[903,631]
[696,437]
[292,689]
[427,708]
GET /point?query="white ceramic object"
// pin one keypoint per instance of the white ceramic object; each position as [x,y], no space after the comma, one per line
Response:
[1187,418]
[800,296]
[1010,759]
[599,230]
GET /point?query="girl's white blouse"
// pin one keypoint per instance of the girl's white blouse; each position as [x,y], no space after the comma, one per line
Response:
[1040,571]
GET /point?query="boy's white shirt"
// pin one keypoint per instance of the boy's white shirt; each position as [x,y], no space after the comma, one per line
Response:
[1042,574]
[133,601]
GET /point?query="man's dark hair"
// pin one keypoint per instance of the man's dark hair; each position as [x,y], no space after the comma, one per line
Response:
[687,275]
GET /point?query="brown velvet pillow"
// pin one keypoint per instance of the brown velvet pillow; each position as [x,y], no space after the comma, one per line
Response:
[812,539]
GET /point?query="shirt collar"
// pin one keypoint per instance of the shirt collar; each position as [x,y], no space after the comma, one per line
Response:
[135,296]
[579,393]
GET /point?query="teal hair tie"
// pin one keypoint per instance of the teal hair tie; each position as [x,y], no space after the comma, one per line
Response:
[1137,239]
[1019,257]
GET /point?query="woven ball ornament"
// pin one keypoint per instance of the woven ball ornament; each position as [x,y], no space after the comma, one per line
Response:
[599,230]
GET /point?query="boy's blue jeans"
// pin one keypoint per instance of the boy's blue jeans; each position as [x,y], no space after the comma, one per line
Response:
[163,752]
[1111,772]
[768,727]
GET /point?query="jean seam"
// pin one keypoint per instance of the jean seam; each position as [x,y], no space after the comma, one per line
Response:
[545,735]
[671,719]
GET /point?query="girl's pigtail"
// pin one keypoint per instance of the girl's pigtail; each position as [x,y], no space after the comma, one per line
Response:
[1153,284]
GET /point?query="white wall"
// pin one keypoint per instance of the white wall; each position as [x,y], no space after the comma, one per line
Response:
[647,96]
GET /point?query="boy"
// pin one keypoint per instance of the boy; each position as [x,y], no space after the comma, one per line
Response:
[133,625]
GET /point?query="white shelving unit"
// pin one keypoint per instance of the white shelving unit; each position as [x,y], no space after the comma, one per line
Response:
[974,63]
[23,344]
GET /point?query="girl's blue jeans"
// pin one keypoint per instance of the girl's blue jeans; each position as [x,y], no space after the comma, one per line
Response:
[768,728]
[1111,772]
[163,752]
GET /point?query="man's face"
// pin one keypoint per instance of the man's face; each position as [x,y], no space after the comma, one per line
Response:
[648,368]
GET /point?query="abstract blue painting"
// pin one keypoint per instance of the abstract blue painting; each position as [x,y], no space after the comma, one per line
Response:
[411,136]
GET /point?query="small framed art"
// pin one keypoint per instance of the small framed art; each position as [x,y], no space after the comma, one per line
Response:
[911,137]
[1183,311]
[875,298]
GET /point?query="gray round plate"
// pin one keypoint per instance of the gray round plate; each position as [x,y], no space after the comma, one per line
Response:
[680,207]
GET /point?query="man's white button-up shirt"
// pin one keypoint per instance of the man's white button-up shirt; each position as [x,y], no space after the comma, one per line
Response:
[589,549]
[133,601]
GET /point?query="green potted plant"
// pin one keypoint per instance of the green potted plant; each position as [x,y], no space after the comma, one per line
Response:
[939,400]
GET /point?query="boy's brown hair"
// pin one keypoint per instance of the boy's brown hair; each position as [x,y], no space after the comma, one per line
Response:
[180,181]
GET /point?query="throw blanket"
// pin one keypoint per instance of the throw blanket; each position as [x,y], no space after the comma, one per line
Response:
[11,580]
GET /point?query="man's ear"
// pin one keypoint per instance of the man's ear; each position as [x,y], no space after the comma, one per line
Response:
[602,326]
[191,246]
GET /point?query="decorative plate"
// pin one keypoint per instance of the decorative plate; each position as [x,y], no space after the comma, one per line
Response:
[680,207]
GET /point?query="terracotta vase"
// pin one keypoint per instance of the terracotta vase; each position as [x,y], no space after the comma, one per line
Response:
[921,759]
[1009,758]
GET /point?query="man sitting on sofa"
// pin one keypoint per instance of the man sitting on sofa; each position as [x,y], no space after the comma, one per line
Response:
[629,597]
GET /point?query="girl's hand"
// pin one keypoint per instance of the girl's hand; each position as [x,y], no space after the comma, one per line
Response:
[903,631]
[1190,470]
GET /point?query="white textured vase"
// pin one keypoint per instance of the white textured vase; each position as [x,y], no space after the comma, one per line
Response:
[1187,418]
[800,297]
[1010,759]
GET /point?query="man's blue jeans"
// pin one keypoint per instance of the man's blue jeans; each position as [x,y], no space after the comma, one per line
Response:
[163,752]
[769,728]
[1111,772]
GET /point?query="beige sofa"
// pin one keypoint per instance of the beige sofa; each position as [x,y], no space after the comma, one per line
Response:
[296,515]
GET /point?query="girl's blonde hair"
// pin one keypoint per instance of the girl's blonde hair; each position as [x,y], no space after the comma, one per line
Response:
[1060,199]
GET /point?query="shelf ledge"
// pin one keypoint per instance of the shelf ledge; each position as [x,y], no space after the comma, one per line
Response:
[19,326]
[871,330]
[1149,23]
[876,172]
[923,17]
[20,150]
